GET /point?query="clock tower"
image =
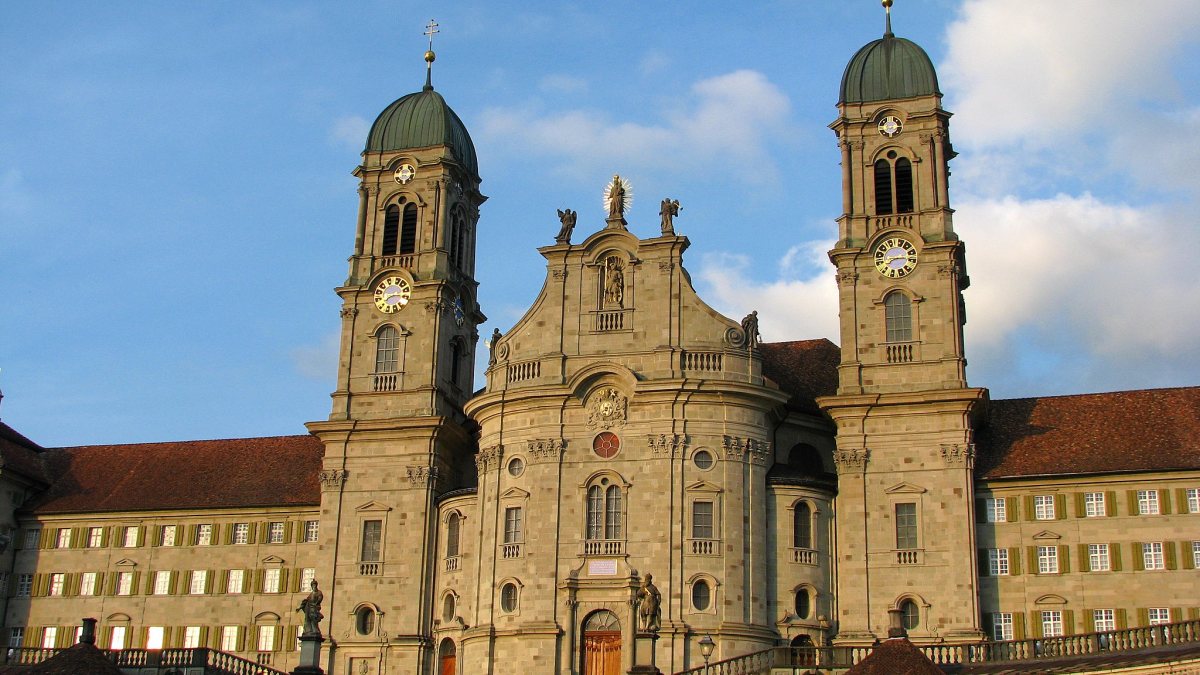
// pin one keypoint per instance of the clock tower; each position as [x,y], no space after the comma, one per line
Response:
[397,437]
[904,413]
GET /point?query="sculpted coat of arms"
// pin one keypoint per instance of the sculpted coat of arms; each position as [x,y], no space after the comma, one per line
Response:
[607,409]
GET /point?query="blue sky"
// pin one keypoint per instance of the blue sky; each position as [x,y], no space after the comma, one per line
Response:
[176,203]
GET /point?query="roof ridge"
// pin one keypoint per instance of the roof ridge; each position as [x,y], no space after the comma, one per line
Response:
[1099,393]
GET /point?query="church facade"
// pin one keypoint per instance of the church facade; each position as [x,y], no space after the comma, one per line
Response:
[634,460]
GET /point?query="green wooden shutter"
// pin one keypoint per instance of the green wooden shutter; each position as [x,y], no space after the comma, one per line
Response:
[1085,561]
[1122,619]
[283,580]
[258,581]
[1114,557]
[1014,561]
[1169,555]
[1143,616]
[289,528]
[984,568]
[1018,625]
[1068,617]
[1164,501]
[1012,509]
[1176,614]
[223,582]
[1110,503]
[1080,505]
[1131,496]
[228,537]
[208,580]
[1181,499]
[46,537]
[1139,558]
[981,510]
[156,537]
[1031,551]
[1089,620]
[1064,559]
[1060,506]
[1029,510]
[1187,554]
[1035,623]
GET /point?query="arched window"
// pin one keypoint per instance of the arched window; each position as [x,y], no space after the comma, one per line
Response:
[391,230]
[893,185]
[453,524]
[701,595]
[408,231]
[448,607]
[802,526]
[508,597]
[897,310]
[458,240]
[387,350]
[803,603]
[605,511]
[910,615]
[364,620]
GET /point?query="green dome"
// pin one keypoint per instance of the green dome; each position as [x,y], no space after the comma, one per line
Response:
[888,68]
[421,120]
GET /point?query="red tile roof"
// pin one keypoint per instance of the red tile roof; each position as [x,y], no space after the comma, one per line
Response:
[19,454]
[230,473]
[895,656]
[805,369]
[1145,430]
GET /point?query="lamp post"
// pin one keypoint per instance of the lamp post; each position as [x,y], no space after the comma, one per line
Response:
[706,649]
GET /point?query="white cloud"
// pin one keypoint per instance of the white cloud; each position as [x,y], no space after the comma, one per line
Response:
[1037,69]
[320,361]
[789,308]
[563,84]
[350,131]
[653,63]
[729,117]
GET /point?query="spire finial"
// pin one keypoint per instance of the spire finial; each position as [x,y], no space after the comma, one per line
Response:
[431,29]
[887,18]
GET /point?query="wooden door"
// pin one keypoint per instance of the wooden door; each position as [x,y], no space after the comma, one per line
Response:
[447,665]
[602,653]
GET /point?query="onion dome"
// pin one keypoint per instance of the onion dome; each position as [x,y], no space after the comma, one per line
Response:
[421,120]
[888,68]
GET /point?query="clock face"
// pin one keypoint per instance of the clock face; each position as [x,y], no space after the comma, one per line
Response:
[391,295]
[895,257]
[890,126]
[405,173]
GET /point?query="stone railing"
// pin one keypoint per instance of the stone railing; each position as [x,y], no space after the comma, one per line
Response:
[524,370]
[604,547]
[406,261]
[509,551]
[370,569]
[804,556]
[703,361]
[385,381]
[908,557]
[452,563]
[158,660]
[704,546]
[900,352]
[609,320]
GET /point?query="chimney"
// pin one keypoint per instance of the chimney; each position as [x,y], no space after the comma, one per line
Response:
[896,624]
[88,636]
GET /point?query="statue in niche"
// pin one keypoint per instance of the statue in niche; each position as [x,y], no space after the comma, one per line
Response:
[668,211]
[567,218]
[649,606]
[616,197]
[750,328]
[311,607]
[614,283]
[492,346]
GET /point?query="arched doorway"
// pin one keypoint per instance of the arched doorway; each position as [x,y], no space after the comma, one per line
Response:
[803,652]
[447,658]
[601,644]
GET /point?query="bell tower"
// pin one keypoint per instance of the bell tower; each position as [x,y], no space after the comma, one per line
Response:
[903,410]
[397,437]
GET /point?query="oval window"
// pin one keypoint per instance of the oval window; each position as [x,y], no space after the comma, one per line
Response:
[910,616]
[516,467]
[701,595]
[703,460]
[803,603]
[448,608]
[364,621]
[508,597]
[606,444]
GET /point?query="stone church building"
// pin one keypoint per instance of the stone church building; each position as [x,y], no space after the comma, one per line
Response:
[778,493]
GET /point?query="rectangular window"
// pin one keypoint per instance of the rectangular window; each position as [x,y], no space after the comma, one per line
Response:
[229,638]
[87,583]
[191,637]
[31,538]
[371,540]
[78,634]
[266,638]
[1104,620]
[162,582]
[1052,625]
[1002,626]
[49,637]
[57,581]
[1158,615]
[1152,556]
[130,538]
[124,583]
[154,637]
[306,578]
[1147,502]
[1195,555]
[514,525]
[1043,507]
[1098,558]
[1047,559]
[167,536]
[204,535]
[199,581]
[234,585]
[311,529]
[1193,500]
[275,533]
[3,584]
[998,561]
[16,636]
[118,638]
[997,510]
[702,520]
[24,585]
[271,581]
[906,526]
[63,540]
[95,537]
[387,351]
[1093,505]
[241,533]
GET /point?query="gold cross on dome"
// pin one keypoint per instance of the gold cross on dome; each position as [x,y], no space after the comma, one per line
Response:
[431,29]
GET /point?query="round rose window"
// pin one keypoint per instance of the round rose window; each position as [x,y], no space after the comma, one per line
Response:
[606,444]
